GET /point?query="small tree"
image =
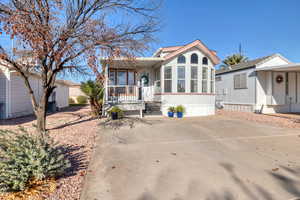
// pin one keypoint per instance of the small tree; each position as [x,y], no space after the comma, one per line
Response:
[63,34]
[233,60]
[94,91]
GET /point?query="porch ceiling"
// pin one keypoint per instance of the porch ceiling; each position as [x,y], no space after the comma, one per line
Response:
[133,63]
[281,68]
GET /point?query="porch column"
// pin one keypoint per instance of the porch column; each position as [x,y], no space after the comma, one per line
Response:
[106,68]
[269,88]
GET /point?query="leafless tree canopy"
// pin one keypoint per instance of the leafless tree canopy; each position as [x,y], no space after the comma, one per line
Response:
[65,35]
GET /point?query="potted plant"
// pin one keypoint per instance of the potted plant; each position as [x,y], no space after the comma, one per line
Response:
[179,111]
[171,111]
[115,113]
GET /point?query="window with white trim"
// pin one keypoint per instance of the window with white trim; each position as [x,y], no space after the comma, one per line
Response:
[180,79]
[212,81]
[240,81]
[204,79]
[194,79]
[168,79]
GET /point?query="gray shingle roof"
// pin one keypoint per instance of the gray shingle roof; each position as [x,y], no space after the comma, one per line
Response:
[244,65]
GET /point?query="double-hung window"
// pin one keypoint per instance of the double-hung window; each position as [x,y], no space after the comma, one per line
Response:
[168,79]
[194,79]
[157,81]
[204,79]
[240,81]
[212,81]
[180,79]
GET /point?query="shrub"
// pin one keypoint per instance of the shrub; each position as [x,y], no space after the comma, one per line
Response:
[172,109]
[116,109]
[71,101]
[25,157]
[82,99]
[180,108]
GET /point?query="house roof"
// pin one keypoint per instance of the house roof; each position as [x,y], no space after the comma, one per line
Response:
[248,64]
[132,62]
[281,68]
[198,44]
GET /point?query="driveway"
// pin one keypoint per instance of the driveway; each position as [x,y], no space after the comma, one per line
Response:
[210,158]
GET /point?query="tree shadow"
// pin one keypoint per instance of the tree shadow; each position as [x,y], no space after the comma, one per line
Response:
[77,158]
[30,118]
[130,122]
[290,183]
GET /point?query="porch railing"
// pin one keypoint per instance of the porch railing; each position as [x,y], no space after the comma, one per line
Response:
[124,93]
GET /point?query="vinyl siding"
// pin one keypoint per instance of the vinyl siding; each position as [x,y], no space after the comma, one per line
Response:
[20,99]
[2,95]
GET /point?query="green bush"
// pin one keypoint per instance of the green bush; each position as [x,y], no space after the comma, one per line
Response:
[180,108]
[82,99]
[172,109]
[71,101]
[25,157]
[116,109]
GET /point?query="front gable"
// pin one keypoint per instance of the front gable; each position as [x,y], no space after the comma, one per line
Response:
[211,55]
[188,54]
[274,60]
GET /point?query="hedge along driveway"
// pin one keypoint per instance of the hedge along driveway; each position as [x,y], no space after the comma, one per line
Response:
[197,158]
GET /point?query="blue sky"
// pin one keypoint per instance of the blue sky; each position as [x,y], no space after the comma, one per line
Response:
[262,27]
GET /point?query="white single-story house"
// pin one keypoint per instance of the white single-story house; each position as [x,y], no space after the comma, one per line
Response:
[14,97]
[74,90]
[177,75]
[266,85]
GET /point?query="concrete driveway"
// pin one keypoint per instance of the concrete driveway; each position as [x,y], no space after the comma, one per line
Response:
[210,158]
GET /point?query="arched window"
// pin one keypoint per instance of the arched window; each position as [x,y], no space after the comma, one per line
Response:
[205,61]
[194,58]
[181,59]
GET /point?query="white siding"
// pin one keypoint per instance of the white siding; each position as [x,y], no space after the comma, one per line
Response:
[199,104]
[2,95]
[62,96]
[20,100]
[226,92]
[195,105]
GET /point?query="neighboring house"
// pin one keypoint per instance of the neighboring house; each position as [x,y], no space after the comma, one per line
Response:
[74,90]
[14,97]
[179,75]
[266,85]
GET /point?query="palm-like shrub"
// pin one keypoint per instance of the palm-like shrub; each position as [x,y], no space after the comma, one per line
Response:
[25,157]
[233,60]
[95,92]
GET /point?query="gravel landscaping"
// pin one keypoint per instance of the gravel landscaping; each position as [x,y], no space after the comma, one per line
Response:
[74,128]
[282,120]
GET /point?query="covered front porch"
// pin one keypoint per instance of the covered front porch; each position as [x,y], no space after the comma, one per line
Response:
[278,89]
[130,83]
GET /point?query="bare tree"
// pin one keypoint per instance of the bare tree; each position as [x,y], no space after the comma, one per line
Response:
[61,34]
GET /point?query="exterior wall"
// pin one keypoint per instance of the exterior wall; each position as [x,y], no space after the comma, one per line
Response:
[74,92]
[173,63]
[62,96]
[3,95]
[195,105]
[281,97]
[20,102]
[236,99]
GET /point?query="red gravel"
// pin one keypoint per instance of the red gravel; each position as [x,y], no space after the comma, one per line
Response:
[72,127]
[282,120]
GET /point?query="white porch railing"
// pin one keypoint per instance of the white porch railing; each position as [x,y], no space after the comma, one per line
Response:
[124,93]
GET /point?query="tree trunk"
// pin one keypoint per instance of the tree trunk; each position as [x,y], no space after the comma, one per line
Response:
[41,112]
[95,108]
